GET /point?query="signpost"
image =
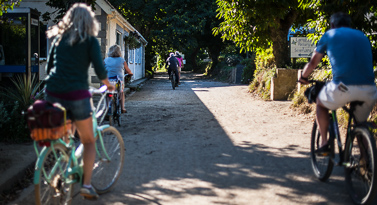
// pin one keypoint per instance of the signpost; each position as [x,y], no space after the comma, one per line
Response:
[301,47]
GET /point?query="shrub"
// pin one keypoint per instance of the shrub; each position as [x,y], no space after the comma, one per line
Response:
[13,124]
[264,71]
[233,60]
[24,90]
[17,98]
[261,83]
[248,70]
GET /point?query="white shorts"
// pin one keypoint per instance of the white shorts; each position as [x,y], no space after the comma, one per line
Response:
[334,96]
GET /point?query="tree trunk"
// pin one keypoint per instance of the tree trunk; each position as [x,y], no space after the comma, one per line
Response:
[279,37]
[193,59]
[214,53]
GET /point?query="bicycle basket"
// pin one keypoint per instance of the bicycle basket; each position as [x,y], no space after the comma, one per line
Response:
[312,92]
[47,121]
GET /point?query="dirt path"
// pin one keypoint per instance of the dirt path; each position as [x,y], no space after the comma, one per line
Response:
[213,143]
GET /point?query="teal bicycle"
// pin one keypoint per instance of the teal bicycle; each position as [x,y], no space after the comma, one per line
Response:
[59,163]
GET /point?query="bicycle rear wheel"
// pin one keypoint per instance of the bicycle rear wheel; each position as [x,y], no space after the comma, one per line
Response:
[106,172]
[360,169]
[51,187]
[112,111]
[118,111]
[322,165]
[172,79]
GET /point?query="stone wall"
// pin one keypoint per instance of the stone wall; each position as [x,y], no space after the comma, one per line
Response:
[283,83]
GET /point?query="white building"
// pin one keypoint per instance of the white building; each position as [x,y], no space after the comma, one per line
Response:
[113,29]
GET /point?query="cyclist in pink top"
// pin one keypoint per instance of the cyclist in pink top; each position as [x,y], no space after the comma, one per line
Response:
[180,66]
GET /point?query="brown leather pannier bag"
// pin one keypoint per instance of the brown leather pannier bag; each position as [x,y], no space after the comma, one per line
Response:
[47,121]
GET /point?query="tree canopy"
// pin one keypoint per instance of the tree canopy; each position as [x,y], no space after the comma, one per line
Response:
[8,4]
[259,23]
[363,15]
[184,25]
[61,7]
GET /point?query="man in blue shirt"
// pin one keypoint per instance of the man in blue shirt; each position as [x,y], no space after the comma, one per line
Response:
[350,54]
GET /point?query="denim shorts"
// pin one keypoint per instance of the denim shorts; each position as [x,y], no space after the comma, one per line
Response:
[76,109]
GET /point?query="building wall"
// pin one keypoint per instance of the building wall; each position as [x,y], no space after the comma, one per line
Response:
[109,24]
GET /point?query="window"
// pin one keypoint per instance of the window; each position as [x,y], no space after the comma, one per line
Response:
[118,37]
[43,40]
[131,59]
[13,39]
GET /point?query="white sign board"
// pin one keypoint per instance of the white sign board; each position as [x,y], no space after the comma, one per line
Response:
[301,47]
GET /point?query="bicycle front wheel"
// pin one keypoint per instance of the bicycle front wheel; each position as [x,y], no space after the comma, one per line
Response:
[52,187]
[101,110]
[106,171]
[322,165]
[360,169]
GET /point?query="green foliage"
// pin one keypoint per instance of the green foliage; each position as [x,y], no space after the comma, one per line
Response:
[12,124]
[261,83]
[363,14]
[258,24]
[132,41]
[248,70]
[24,90]
[61,7]
[264,58]
[233,60]
[8,4]
[15,100]
[222,72]
[180,25]
[265,70]
[299,63]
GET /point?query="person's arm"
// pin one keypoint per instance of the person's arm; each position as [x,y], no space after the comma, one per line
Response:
[309,67]
[110,87]
[96,59]
[128,70]
[50,59]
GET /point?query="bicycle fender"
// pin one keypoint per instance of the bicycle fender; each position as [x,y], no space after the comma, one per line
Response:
[102,127]
[38,164]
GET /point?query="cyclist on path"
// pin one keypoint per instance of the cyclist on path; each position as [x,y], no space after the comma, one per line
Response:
[115,66]
[74,48]
[350,55]
[180,61]
[172,64]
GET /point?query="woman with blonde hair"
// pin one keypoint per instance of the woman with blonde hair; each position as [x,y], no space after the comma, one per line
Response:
[74,48]
[115,66]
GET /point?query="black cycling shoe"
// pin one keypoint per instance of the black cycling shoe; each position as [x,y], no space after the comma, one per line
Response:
[324,150]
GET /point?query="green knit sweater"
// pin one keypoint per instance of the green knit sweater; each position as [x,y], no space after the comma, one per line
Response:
[68,65]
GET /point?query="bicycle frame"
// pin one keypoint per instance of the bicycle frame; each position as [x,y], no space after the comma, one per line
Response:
[336,133]
[74,156]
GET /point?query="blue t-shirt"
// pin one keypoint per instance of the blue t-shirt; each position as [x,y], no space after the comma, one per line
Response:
[350,55]
[115,66]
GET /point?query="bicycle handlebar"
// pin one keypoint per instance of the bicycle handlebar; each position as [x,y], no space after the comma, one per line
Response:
[101,90]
